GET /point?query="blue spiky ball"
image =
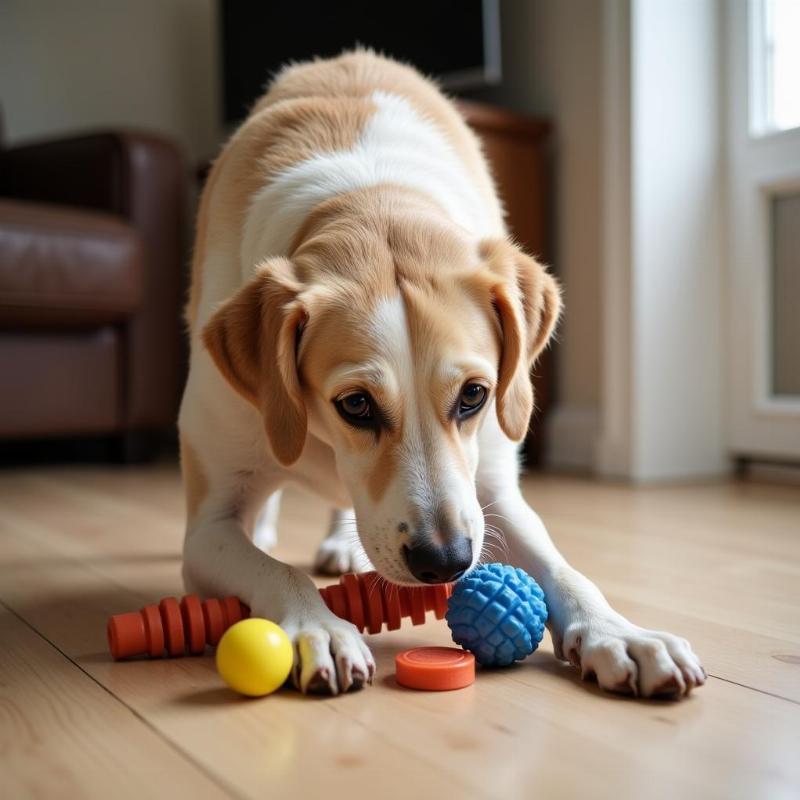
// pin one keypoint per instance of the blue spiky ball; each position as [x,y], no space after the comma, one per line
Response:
[497,612]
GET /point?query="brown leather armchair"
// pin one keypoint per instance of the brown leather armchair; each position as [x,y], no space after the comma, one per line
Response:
[91,286]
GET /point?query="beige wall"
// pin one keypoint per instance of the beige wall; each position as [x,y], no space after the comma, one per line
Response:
[553,65]
[73,65]
[67,66]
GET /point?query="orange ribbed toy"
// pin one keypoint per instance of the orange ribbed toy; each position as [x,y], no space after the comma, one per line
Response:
[175,628]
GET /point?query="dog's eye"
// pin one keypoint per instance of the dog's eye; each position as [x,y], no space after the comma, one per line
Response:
[356,405]
[355,408]
[473,396]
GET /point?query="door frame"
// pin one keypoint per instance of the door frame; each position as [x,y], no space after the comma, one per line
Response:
[761,166]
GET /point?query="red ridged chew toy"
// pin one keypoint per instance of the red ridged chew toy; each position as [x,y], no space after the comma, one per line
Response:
[174,629]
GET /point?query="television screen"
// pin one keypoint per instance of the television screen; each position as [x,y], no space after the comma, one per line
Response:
[457,41]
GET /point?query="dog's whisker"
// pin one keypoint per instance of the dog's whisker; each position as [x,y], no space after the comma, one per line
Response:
[494,538]
[491,526]
[373,587]
[496,549]
[488,554]
[484,555]
[499,539]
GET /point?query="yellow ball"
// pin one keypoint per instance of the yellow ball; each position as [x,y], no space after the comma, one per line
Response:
[254,657]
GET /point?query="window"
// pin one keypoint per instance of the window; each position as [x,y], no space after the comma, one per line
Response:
[774,65]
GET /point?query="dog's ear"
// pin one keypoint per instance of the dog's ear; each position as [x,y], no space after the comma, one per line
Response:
[253,339]
[527,301]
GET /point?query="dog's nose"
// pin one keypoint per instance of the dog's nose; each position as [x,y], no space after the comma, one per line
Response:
[439,563]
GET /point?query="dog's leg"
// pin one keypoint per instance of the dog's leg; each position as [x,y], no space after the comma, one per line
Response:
[265,531]
[595,638]
[340,551]
[220,559]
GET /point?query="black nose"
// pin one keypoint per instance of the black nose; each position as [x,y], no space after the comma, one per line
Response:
[439,563]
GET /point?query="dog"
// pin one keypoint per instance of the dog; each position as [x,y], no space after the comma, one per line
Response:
[361,325]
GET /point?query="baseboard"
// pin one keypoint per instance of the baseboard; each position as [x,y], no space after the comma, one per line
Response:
[572,438]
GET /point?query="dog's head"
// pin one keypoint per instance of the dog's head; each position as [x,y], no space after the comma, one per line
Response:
[393,349]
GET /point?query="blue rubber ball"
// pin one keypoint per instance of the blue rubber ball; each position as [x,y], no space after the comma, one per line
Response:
[497,612]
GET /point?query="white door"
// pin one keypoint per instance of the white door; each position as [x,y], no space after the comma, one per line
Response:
[763,193]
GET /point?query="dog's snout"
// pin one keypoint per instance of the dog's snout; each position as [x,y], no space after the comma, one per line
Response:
[439,563]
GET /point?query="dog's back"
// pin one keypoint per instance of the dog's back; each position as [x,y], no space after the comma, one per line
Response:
[322,129]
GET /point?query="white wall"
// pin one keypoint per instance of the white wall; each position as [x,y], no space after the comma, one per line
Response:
[633,89]
[552,63]
[67,66]
[666,406]
[677,239]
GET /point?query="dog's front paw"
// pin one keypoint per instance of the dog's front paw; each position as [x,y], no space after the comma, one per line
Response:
[631,660]
[337,555]
[329,656]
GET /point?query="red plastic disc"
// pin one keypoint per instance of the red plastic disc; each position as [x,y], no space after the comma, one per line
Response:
[404,595]
[417,597]
[435,669]
[231,610]
[323,593]
[338,602]
[194,629]
[215,622]
[394,616]
[154,630]
[442,594]
[373,602]
[173,626]
[353,591]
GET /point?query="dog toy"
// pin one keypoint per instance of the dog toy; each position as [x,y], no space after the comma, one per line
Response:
[435,669]
[498,613]
[174,628]
[254,657]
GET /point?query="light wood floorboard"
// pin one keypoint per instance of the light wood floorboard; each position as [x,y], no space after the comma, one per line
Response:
[63,735]
[717,563]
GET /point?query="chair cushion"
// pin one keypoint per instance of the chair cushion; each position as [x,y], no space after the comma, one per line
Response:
[62,267]
[60,383]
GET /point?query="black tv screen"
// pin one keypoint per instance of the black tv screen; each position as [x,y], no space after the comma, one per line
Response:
[457,41]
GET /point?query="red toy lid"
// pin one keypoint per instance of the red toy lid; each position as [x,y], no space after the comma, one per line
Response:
[435,669]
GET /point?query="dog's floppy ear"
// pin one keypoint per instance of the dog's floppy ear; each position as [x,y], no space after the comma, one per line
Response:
[253,338]
[527,301]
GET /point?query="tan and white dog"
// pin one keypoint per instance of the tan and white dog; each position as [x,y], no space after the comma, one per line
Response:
[361,325]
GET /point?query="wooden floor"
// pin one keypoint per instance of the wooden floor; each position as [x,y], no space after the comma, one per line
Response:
[719,564]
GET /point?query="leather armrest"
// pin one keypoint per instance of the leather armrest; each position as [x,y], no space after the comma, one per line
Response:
[95,171]
[142,178]
[61,267]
